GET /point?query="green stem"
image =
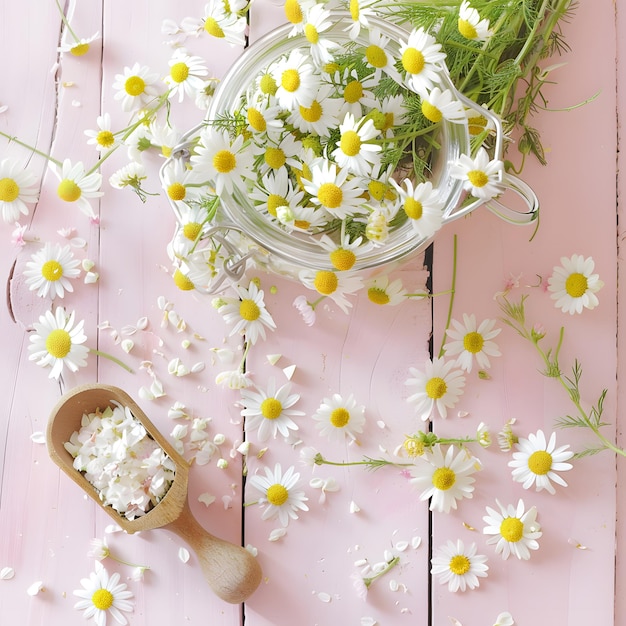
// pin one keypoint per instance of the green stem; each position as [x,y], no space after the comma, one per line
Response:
[31,148]
[106,355]
[390,565]
[452,292]
[66,22]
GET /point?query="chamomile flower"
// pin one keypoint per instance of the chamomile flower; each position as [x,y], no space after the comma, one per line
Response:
[470,342]
[335,285]
[270,412]
[263,117]
[57,342]
[422,60]
[165,137]
[78,47]
[438,387]
[277,154]
[317,21]
[296,80]
[470,25]
[281,495]
[360,11]
[422,205]
[513,529]
[225,162]
[275,190]
[480,176]
[320,117]
[247,313]
[377,55]
[444,479]
[307,218]
[458,566]
[130,175]
[103,139]
[295,11]
[537,462]
[440,105]
[50,271]
[186,74]
[102,595]
[15,190]
[393,113]
[357,94]
[193,221]
[180,183]
[342,254]
[381,291]
[574,285]
[135,87]
[340,419]
[77,186]
[223,24]
[353,151]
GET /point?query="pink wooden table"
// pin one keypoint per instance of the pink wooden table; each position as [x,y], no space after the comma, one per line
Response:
[47,523]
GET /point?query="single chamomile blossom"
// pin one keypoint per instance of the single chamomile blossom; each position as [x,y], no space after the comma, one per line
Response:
[504,619]
[296,79]
[180,183]
[537,461]
[320,117]
[50,271]
[270,412]
[276,190]
[339,419]
[480,176]
[263,117]
[506,437]
[469,342]
[392,114]
[356,94]
[77,186]
[513,529]
[444,479]
[422,205]
[15,190]
[470,25]
[335,285]
[317,20]
[58,343]
[225,24]
[382,291]
[354,152]
[342,254]
[295,12]
[422,60]
[378,56]
[306,310]
[135,87]
[277,154]
[281,495]
[458,566]
[205,93]
[193,222]
[186,75]
[78,47]
[103,139]
[438,387]
[360,11]
[130,175]
[103,594]
[574,285]
[247,313]
[165,137]
[440,105]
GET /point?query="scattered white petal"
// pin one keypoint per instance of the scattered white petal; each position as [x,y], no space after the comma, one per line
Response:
[272,359]
[277,533]
[368,621]
[455,621]
[87,264]
[35,588]
[244,448]
[198,367]
[38,437]
[252,550]
[354,507]
[401,546]
[183,554]
[219,439]
[6,573]
[324,597]
[576,544]
[112,528]
[381,424]
[289,371]
[416,542]
[206,498]
[222,463]
[393,585]
[138,572]
[462,413]
[227,501]
[76,103]
[127,345]
[91,278]
[142,323]
[360,563]
[185,343]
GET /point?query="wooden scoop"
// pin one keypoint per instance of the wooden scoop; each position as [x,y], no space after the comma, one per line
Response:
[231,571]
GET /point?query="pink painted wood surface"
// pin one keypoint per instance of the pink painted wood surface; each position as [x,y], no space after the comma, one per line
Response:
[47,523]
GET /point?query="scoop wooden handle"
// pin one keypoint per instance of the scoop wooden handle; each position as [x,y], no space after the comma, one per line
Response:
[231,571]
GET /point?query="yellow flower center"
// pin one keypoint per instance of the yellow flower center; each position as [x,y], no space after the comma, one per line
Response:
[478,178]
[58,343]
[413,61]
[312,113]
[473,342]
[443,478]
[52,270]
[271,408]
[342,259]
[467,30]
[330,195]
[302,224]
[376,56]
[213,28]
[290,80]
[191,230]
[310,32]
[68,190]
[376,189]
[378,295]
[256,120]
[79,49]
[350,143]
[275,158]
[224,161]
[102,599]
[339,417]
[476,125]
[273,202]
[436,388]
[176,191]
[431,112]
[179,72]
[353,91]
[182,281]
[414,447]
[413,208]
[325,282]
[268,85]
[540,462]
[459,564]
[134,85]
[277,495]
[293,12]
[9,190]
[249,310]
[512,529]
[105,138]
[576,285]
[354,10]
